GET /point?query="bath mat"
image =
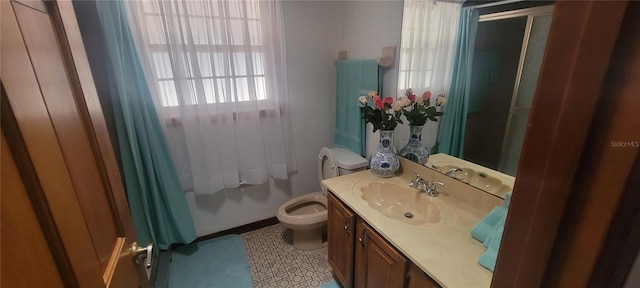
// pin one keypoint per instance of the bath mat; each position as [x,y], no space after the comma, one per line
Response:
[219,262]
[331,284]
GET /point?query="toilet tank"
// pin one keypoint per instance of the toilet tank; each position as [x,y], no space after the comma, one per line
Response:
[348,161]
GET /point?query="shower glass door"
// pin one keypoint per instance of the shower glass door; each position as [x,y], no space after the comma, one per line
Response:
[534,42]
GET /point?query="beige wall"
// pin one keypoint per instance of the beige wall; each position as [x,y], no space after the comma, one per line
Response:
[315,31]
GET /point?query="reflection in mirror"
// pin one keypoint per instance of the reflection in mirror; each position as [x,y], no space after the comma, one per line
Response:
[523,96]
[507,58]
[507,55]
[481,177]
[495,64]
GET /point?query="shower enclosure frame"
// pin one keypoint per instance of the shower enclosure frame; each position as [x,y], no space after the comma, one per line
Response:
[530,13]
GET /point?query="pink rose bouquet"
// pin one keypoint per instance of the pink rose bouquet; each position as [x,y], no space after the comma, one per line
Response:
[385,113]
[417,109]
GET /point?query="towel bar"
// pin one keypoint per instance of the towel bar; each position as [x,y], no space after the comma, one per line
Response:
[387,60]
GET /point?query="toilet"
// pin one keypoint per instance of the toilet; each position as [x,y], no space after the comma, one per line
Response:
[306,215]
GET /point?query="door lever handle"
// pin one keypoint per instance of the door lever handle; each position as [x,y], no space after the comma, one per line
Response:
[138,252]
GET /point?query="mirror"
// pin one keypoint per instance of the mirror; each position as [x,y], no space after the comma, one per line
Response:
[508,52]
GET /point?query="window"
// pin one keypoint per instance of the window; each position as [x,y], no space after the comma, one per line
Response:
[217,45]
[418,53]
[429,31]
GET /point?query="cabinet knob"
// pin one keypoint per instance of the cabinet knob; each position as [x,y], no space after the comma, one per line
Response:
[362,238]
[347,223]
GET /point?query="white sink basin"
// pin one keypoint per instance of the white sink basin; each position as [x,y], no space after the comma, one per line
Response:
[402,203]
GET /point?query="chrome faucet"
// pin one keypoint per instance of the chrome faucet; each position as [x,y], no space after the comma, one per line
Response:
[432,190]
[418,183]
[452,171]
[423,185]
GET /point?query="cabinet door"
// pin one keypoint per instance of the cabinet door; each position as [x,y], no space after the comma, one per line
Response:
[378,264]
[418,279]
[340,234]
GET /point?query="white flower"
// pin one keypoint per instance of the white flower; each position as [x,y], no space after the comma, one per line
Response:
[397,106]
[372,93]
[363,99]
[441,100]
[419,100]
[405,101]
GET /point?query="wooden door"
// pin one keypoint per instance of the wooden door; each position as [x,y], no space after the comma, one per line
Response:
[27,247]
[571,176]
[378,264]
[340,231]
[56,133]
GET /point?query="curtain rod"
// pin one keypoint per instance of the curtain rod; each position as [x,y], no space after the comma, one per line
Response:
[494,4]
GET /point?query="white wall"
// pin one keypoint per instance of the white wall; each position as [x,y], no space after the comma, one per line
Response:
[368,26]
[315,31]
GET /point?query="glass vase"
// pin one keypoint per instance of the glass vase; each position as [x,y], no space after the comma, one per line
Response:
[414,150]
[384,162]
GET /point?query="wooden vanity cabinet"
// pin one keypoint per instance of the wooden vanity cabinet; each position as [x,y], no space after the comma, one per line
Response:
[419,279]
[361,258]
[340,237]
[378,264]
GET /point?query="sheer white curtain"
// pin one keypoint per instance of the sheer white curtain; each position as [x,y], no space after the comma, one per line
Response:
[429,32]
[217,72]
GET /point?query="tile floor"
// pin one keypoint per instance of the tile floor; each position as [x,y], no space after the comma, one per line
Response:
[275,263]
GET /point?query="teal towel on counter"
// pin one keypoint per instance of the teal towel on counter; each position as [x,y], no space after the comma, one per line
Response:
[493,240]
[488,223]
[489,231]
[507,200]
[488,259]
[354,78]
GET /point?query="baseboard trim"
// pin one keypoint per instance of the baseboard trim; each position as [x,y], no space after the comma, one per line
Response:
[240,229]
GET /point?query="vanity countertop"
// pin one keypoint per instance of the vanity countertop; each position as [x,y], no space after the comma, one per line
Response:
[443,250]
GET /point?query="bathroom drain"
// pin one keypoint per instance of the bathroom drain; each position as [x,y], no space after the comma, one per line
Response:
[408,215]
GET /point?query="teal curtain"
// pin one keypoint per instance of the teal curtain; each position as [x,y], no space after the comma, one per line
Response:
[354,78]
[451,140]
[156,200]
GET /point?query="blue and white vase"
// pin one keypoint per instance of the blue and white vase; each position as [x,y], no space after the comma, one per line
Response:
[384,162]
[414,150]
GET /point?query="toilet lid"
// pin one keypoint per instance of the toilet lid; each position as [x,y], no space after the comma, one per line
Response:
[327,167]
[347,159]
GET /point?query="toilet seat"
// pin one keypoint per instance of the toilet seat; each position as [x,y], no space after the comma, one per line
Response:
[306,219]
[327,167]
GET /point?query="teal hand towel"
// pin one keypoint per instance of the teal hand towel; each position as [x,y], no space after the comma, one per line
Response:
[507,200]
[481,231]
[354,78]
[488,223]
[493,240]
[489,231]
[488,259]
